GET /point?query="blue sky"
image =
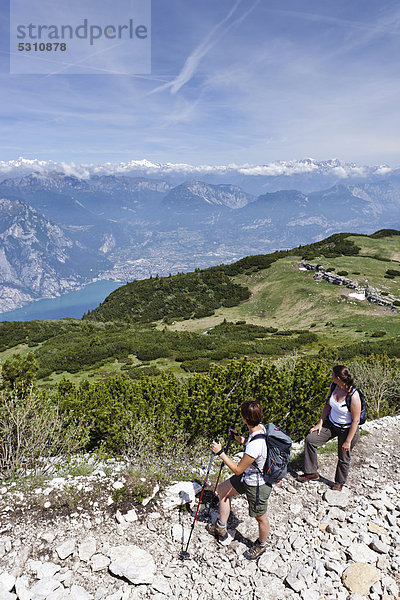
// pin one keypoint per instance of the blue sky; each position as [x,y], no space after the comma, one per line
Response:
[233,81]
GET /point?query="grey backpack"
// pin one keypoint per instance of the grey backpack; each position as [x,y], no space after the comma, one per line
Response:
[279,446]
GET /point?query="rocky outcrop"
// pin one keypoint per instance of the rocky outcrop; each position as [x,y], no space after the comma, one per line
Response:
[37,257]
[323,544]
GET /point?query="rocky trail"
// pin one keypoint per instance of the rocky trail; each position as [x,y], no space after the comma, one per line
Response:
[324,545]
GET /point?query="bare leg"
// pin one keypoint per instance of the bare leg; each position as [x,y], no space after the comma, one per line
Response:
[225,492]
[263,527]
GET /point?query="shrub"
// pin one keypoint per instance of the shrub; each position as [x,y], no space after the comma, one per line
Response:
[138,372]
[342,273]
[143,449]
[33,431]
[378,334]
[379,379]
[199,365]
[19,372]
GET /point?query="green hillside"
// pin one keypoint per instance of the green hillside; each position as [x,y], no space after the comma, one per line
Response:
[276,293]
[261,306]
[285,297]
[199,294]
[146,372]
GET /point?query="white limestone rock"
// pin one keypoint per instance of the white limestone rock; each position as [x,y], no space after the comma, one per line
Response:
[390,585]
[115,596]
[119,517]
[66,549]
[296,508]
[155,491]
[336,498]
[47,569]
[299,542]
[4,595]
[118,485]
[87,548]
[335,567]
[179,533]
[22,588]
[180,493]
[160,584]
[361,553]
[294,579]
[44,587]
[99,562]
[60,594]
[132,562]
[268,561]
[77,592]
[380,547]
[310,594]
[131,516]
[337,514]
[7,582]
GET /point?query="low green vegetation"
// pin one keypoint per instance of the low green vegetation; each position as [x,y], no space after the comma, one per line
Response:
[183,296]
[198,294]
[264,306]
[152,366]
[146,418]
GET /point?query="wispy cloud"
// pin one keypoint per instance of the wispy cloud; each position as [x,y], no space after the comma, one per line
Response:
[388,25]
[193,60]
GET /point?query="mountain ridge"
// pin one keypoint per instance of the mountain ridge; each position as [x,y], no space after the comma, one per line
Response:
[275,173]
[146,226]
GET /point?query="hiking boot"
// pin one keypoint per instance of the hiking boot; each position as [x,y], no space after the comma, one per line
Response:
[308,477]
[219,531]
[255,551]
[337,487]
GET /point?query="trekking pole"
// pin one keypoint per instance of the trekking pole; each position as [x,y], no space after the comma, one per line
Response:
[184,553]
[230,439]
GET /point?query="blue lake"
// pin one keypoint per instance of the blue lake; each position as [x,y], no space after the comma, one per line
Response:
[71,305]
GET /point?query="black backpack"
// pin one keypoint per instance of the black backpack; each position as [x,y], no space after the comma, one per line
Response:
[363,415]
[279,445]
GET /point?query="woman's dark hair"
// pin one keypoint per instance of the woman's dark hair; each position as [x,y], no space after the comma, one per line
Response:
[252,412]
[344,374]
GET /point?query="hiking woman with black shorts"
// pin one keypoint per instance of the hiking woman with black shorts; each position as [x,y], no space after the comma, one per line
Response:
[247,479]
[336,421]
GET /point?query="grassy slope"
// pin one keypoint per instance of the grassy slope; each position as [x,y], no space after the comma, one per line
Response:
[286,298]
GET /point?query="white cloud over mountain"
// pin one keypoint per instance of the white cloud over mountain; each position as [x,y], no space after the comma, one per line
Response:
[334,167]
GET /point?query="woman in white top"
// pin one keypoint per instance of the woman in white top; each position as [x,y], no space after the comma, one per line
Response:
[247,479]
[336,421]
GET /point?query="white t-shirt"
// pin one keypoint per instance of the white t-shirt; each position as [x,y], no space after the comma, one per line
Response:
[257,449]
[339,413]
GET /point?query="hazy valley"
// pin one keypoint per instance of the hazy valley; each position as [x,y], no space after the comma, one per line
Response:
[59,232]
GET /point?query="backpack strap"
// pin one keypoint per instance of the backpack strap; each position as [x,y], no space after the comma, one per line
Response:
[331,390]
[349,396]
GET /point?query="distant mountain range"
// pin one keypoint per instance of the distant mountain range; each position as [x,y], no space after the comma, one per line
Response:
[59,231]
[306,175]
